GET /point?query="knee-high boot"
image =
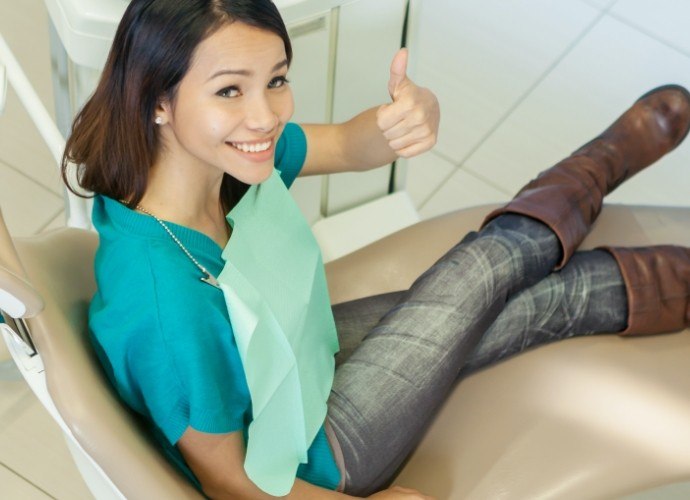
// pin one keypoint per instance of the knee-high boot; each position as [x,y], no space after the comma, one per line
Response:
[657,283]
[568,196]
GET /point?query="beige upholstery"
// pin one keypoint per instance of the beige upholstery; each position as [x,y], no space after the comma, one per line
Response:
[585,418]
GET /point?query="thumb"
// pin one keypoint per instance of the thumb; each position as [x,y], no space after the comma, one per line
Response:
[398,72]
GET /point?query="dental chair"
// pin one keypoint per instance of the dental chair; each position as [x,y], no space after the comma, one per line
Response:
[594,417]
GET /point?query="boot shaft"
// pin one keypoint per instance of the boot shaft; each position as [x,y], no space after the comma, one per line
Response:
[568,197]
[657,282]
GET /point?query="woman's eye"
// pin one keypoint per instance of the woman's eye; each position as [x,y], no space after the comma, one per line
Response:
[278,81]
[229,92]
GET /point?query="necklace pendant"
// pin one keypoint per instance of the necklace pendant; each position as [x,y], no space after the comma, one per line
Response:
[210,280]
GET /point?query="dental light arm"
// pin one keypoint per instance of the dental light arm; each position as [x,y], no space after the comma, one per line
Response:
[12,71]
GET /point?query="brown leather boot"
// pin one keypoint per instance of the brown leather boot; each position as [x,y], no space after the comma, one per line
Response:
[568,196]
[657,282]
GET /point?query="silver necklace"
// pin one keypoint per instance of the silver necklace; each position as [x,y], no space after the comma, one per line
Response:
[207,277]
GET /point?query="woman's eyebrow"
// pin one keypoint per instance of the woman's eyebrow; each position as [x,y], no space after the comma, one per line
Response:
[246,72]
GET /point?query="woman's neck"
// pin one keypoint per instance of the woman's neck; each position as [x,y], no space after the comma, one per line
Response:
[187,197]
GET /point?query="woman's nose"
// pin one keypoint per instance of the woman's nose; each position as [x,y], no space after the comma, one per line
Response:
[261,115]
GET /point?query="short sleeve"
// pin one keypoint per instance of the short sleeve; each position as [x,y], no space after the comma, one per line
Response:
[169,348]
[291,151]
[204,361]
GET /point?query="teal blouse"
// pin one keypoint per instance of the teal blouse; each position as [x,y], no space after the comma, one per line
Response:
[164,337]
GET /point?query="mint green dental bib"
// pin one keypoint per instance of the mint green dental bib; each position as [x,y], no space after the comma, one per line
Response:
[275,290]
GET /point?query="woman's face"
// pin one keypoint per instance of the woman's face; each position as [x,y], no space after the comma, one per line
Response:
[232,105]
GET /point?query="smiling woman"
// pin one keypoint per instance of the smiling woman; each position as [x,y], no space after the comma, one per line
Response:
[227,346]
[191,110]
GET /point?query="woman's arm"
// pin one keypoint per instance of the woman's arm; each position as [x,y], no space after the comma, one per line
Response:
[217,461]
[406,127]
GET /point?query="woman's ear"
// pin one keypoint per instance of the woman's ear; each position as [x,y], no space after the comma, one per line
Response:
[163,113]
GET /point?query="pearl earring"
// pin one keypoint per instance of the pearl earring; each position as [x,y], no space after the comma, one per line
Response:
[158,120]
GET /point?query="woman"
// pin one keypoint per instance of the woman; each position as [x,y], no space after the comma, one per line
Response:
[189,123]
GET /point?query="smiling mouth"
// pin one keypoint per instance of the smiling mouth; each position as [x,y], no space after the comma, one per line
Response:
[256,147]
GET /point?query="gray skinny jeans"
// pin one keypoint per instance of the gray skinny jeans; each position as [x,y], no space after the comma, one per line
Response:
[490,296]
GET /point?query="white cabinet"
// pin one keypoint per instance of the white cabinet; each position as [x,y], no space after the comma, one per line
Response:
[369,34]
[340,68]
[310,80]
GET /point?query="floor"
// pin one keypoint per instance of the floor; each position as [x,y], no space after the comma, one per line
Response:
[521,84]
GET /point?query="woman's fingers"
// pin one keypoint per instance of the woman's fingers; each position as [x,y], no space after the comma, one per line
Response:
[410,122]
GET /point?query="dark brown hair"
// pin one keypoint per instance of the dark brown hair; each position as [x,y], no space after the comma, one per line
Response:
[114,140]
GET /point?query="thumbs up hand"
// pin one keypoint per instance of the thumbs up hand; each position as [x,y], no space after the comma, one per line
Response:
[410,122]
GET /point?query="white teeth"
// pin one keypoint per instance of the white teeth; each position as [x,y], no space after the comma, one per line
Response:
[251,148]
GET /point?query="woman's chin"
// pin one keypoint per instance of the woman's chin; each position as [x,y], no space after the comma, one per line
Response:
[255,174]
